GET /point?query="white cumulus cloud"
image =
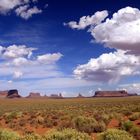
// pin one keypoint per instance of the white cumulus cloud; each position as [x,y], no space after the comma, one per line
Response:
[22,8]
[7,5]
[17,74]
[109,67]
[19,61]
[26,12]
[121,31]
[49,58]
[132,88]
[86,21]
[1,50]
[15,51]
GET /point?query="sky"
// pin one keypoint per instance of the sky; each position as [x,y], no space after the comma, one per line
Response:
[69,47]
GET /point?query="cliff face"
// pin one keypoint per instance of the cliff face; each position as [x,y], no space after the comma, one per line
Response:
[13,94]
[121,93]
[55,96]
[3,94]
[34,95]
[9,94]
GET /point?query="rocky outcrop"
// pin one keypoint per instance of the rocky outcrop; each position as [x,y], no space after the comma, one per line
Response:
[80,96]
[121,93]
[13,94]
[34,95]
[3,94]
[55,96]
[9,94]
[133,94]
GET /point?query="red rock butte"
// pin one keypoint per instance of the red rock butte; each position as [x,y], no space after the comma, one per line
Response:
[34,95]
[9,94]
[121,93]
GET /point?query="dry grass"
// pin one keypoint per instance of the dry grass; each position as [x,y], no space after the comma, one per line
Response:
[41,115]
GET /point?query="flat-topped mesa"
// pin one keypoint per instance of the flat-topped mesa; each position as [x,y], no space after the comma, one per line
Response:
[13,94]
[34,95]
[121,93]
[9,94]
[133,94]
[56,96]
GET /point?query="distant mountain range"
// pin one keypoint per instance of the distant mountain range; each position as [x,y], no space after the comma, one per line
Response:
[15,94]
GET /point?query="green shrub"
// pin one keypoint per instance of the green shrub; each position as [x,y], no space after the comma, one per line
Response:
[106,118]
[8,135]
[65,124]
[127,112]
[48,122]
[85,124]
[97,116]
[67,134]
[117,116]
[12,125]
[31,137]
[39,119]
[135,131]
[114,134]
[12,115]
[100,127]
[134,116]
[22,122]
[127,125]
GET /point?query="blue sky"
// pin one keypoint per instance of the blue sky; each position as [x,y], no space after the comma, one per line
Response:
[45,47]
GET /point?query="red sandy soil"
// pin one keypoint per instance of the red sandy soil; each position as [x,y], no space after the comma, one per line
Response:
[40,130]
[113,124]
[137,122]
[28,128]
[94,135]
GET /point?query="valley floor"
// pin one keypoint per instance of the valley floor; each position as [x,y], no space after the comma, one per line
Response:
[90,116]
